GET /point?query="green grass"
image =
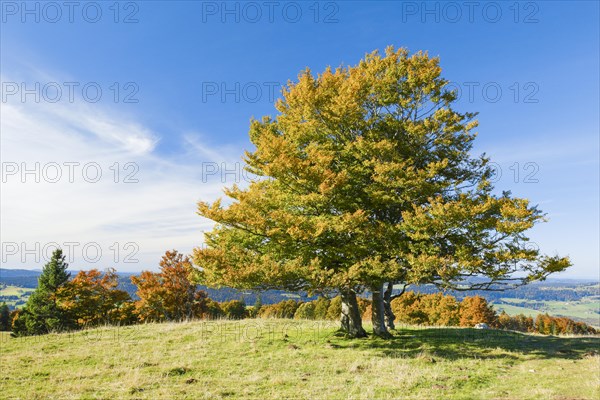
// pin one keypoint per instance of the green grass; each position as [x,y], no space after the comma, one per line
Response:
[15,291]
[515,310]
[276,359]
[585,308]
[22,293]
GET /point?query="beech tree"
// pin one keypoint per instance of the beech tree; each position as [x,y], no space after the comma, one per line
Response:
[92,298]
[365,177]
[475,310]
[234,309]
[169,294]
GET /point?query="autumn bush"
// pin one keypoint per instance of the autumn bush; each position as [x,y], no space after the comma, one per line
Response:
[439,309]
[544,324]
[169,294]
[321,307]
[519,322]
[335,308]
[548,325]
[366,316]
[234,309]
[407,309]
[92,298]
[283,309]
[212,310]
[363,304]
[476,310]
[305,311]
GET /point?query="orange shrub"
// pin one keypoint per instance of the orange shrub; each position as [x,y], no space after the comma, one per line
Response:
[475,310]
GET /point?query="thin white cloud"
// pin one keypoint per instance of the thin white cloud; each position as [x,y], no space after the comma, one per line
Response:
[155,213]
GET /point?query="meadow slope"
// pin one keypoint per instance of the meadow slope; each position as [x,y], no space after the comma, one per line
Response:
[277,359]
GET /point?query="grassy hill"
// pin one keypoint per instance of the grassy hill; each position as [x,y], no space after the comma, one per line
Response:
[586,309]
[264,359]
[516,310]
[14,296]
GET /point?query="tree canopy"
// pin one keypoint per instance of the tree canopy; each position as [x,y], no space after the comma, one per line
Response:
[169,294]
[92,298]
[365,176]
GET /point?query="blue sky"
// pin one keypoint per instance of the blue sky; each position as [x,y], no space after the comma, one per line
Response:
[198,71]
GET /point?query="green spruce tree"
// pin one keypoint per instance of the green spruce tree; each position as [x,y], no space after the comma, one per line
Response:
[42,313]
[4,318]
[257,306]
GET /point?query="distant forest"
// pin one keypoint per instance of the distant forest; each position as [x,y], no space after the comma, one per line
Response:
[549,290]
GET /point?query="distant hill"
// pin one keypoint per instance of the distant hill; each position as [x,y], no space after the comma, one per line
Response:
[29,279]
[574,298]
[11,273]
[565,290]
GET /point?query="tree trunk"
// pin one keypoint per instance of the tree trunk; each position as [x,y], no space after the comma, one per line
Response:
[351,318]
[387,304]
[378,313]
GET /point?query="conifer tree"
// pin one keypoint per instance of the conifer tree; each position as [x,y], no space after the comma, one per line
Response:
[257,306]
[43,312]
[4,318]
